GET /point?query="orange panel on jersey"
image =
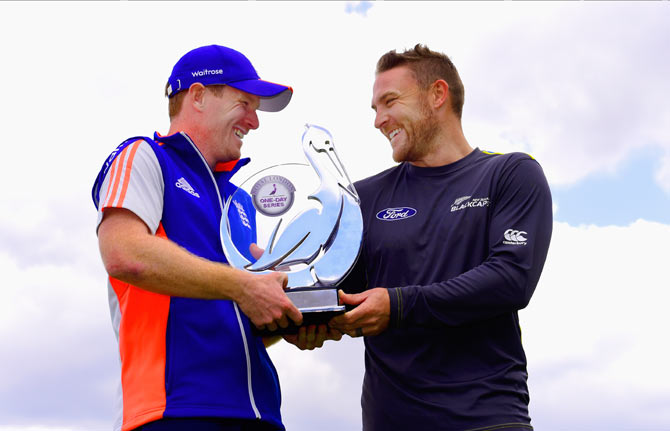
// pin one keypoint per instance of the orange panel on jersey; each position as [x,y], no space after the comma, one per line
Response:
[142,336]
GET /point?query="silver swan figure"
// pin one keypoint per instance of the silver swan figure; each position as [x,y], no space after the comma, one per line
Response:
[321,238]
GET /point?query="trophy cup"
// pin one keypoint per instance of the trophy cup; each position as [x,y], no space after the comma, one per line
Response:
[307,219]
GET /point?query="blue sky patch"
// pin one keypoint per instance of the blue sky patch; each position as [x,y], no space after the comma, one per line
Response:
[618,198]
[360,7]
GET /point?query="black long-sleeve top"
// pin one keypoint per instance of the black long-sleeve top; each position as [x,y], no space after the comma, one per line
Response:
[460,248]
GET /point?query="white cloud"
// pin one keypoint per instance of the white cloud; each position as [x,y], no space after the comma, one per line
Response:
[321,388]
[594,327]
[662,175]
[59,353]
[36,428]
[580,86]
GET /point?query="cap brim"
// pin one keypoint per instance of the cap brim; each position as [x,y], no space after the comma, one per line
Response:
[274,97]
[276,103]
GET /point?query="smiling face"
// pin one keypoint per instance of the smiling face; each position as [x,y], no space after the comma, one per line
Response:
[404,115]
[228,116]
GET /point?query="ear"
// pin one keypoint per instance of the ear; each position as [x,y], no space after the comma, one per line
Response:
[439,91]
[196,95]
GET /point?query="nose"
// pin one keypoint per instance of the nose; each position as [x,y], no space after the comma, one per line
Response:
[380,118]
[252,120]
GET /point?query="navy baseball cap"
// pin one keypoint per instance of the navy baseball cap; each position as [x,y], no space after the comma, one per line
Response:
[216,64]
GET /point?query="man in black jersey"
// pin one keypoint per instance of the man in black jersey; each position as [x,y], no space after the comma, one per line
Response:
[455,239]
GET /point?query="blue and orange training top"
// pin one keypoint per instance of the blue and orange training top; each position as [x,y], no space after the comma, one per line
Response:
[183,357]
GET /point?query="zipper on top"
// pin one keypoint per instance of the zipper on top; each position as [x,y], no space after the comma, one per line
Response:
[237,311]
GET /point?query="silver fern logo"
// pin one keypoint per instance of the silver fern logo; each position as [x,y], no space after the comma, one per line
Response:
[466,202]
[461,199]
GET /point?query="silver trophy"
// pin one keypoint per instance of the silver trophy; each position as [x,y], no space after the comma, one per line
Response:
[306,218]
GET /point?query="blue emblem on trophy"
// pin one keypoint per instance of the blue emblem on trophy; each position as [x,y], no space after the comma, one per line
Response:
[307,220]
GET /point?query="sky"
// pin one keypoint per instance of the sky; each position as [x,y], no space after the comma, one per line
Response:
[580,86]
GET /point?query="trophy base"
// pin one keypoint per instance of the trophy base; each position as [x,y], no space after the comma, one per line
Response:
[317,305]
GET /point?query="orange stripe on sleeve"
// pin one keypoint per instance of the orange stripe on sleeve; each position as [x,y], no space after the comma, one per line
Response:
[112,173]
[117,177]
[127,171]
[118,172]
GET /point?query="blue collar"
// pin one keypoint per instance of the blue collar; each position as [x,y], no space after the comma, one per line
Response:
[180,141]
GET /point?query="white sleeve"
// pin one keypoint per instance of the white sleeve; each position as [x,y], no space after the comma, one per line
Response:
[134,182]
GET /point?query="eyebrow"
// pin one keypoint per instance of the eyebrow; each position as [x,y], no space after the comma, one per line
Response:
[384,96]
[251,99]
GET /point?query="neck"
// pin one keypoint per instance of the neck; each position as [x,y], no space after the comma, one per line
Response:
[449,145]
[199,140]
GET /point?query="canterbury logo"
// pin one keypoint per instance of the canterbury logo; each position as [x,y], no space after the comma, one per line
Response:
[184,185]
[515,237]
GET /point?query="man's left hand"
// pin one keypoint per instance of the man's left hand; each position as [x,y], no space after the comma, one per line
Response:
[370,317]
[310,337]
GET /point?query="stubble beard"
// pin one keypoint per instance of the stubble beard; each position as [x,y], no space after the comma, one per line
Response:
[421,141]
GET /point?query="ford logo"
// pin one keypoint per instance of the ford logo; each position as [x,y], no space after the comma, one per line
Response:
[392,214]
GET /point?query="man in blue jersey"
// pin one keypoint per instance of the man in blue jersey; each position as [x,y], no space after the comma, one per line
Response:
[455,239]
[182,316]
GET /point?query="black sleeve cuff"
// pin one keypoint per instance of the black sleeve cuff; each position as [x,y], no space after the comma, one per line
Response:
[396,309]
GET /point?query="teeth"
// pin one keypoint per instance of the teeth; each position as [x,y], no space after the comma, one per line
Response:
[239,133]
[393,133]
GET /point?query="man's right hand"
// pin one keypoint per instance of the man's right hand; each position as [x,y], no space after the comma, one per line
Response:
[263,300]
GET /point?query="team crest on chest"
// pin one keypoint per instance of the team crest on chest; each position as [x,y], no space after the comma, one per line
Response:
[465,202]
